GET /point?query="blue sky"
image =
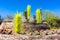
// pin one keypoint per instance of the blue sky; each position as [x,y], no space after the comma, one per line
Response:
[9,7]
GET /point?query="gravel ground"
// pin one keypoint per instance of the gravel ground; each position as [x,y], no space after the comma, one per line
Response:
[29,37]
[18,37]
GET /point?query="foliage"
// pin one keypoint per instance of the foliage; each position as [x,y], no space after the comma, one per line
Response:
[49,16]
[52,19]
[17,23]
[57,22]
[25,14]
[38,16]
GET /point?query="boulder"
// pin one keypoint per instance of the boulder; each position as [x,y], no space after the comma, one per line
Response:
[6,28]
[1,29]
[41,26]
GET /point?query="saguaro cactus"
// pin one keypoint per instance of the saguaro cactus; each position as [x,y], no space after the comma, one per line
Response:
[28,12]
[38,16]
[17,23]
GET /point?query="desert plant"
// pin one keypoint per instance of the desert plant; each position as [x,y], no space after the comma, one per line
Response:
[28,12]
[38,16]
[50,17]
[25,14]
[17,23]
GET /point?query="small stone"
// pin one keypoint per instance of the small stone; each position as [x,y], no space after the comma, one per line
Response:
[8,31]
[37,33]
[58,31]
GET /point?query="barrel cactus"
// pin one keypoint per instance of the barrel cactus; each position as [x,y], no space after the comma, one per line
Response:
[38,16]
[17,23]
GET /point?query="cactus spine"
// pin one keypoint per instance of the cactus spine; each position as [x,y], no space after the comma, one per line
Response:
[28,12]
[17,23]
[38,16]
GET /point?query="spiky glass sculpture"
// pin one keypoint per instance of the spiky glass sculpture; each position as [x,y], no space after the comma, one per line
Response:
[28,11]
[38,16]
[17,23]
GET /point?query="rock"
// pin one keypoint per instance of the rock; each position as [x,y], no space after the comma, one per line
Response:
[8,31]
[58,31]
[42,33]
[41,26]
[50,32]
[35,33]
[1,29]
[6,28]
[3,32]
[29,37]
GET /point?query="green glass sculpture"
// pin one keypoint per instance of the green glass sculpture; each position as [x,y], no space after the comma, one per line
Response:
[17,23]
[28,11]
[38,16]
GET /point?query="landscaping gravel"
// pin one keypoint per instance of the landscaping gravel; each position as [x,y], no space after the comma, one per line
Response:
[29,37]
